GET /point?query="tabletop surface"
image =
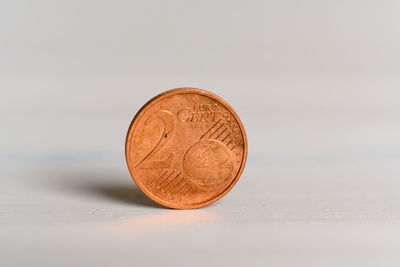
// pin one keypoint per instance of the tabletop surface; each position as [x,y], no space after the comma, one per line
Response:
[320,186]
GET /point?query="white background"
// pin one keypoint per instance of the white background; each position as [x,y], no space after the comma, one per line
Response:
[316,84]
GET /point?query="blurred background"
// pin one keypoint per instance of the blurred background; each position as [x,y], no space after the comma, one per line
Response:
[315,83]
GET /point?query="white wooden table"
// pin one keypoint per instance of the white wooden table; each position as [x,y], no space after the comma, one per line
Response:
[321,186]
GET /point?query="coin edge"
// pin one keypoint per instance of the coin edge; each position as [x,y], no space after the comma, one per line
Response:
[159,97]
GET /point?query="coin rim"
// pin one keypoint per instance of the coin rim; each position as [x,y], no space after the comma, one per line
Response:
[152,101]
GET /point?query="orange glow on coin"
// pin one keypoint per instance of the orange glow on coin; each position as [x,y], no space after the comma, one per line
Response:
[186,148]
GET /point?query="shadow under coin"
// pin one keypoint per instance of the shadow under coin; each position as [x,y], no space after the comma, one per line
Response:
[122,193]
[103,186]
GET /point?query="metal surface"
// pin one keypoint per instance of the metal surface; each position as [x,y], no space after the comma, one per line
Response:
[186,148]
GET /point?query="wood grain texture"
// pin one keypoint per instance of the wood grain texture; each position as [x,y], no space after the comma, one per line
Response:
[329,192]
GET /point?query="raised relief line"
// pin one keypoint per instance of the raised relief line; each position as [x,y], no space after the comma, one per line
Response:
[211,128]
[167,177]
[177,184]
[181,188]
[221,133]
[218,132]
[187,191]
[222,125]
[166,186]
[227,144]
[223,140]
[162,175]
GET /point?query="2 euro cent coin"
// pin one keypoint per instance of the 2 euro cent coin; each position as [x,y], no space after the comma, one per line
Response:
[186,148]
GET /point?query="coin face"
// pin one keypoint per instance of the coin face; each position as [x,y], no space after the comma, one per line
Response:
[186,148]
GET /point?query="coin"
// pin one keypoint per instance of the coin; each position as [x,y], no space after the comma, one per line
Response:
[186,148]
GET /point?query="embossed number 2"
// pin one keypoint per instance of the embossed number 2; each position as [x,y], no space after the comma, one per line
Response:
[167,120]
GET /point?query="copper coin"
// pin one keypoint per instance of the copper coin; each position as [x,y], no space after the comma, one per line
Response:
[186,148]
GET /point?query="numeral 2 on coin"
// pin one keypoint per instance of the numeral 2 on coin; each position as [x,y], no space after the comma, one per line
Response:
[167,120]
